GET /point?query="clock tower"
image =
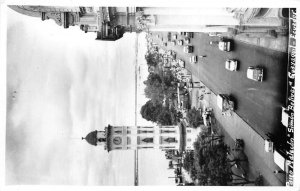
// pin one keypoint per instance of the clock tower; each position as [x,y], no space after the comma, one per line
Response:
[141,137]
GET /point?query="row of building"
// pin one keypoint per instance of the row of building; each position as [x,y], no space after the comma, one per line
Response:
[110,23]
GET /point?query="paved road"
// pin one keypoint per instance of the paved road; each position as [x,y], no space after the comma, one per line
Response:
[258,103]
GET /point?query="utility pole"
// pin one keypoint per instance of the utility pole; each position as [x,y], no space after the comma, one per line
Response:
[136,161]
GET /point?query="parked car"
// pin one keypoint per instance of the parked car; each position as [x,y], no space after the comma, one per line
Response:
[187,40]
[225,103]
[214,34]
[225,46]
[181,63]
[170,52]
[188,49]
[255,73]
[189,34]
[231,65]
[173,43]
[169,36]
[180,42]
[193,59]
[174,36]
[279,156]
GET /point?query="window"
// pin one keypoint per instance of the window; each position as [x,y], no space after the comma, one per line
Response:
[118,131]
[128,141]
[189,140]
[168,140]
[144,131]
[167,131]
[189,131]
[148,140]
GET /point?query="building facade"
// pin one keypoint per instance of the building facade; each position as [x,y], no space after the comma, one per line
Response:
[240,20]
[110,23]
[144,137]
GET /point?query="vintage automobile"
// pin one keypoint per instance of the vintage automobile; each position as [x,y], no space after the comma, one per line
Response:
[193,59]
[214,34]
[225,103]
[255,73]
[180,42]
[225,46]
[187,40]
[189,34]
[279,155]
[188,49]
[181,63]
[231,65]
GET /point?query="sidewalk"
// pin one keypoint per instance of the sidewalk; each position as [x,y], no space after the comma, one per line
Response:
[280,43]
[233,126]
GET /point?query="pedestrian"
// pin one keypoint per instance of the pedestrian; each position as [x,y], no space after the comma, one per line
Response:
[278,171]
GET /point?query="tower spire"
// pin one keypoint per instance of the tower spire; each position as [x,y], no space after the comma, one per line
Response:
[91,138]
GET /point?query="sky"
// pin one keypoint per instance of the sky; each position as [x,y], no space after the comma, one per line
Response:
[61,85]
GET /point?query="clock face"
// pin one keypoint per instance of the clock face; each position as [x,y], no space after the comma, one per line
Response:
[117,140]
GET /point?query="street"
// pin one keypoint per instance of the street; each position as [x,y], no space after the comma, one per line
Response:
[257,103]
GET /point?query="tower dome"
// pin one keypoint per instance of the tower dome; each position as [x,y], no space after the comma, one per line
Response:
[91,138]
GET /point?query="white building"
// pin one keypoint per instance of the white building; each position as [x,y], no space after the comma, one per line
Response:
[144,137]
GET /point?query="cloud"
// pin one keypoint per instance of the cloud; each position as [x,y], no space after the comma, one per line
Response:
[66,87]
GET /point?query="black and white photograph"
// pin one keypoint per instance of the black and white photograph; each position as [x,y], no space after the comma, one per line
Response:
[149,95]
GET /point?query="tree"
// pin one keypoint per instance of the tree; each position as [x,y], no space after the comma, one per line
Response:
[164,117]
[153,88]
[160,87]
[188,164]
[169,85]
[157,113]
[211,161]
[152,58]
[194,117]
[151,111]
